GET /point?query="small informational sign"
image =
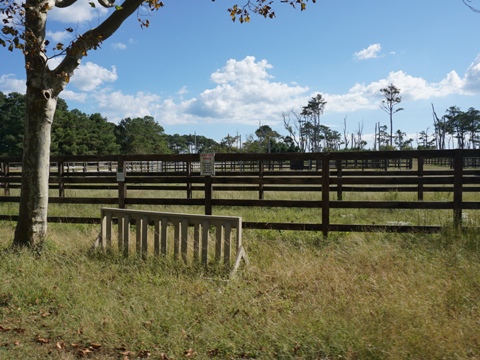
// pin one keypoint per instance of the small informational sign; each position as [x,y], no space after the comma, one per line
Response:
[120,175]
[207,164]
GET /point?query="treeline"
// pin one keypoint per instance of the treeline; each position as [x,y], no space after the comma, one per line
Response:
[77,133]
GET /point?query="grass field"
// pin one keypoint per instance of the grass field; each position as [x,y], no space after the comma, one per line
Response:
[351,296]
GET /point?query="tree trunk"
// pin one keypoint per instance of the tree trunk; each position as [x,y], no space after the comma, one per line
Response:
[32,222]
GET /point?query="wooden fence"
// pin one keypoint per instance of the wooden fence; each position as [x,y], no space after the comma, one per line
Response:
[196,248]
[330,175]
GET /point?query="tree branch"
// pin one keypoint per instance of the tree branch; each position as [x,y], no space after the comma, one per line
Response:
[470,6]
[94,37]
[64,3]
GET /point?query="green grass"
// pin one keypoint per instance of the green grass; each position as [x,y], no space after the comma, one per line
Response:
[351,296]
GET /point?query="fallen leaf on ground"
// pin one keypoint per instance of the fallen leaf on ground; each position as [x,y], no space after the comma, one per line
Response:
[189,353]
[42,340]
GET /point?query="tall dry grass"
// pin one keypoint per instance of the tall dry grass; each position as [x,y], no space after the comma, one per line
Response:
[351,296]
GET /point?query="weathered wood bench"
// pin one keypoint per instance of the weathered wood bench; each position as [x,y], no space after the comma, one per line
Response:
[227,239]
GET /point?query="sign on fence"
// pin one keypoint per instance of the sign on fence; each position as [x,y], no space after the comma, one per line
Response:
[120,175]
[207,164]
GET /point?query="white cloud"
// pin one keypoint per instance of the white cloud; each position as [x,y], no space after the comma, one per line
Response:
[119,46]
[79,12]
[9,83]
[244,93]
[370,52]
[182,91]
[90,76]
[117,105]
[59,36]
[54,62]
[74,96]
[472,77]
[368,96]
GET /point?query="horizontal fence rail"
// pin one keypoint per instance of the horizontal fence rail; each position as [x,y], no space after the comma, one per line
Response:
[329,175]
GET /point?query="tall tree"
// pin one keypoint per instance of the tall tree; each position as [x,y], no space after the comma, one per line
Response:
[24,27]
[76,133]
[440,129]
[401,140]
[295,130]
[12,115]
[230,143]
[473,119]
[312,112]
[141,136]
[266,137]
[392,99]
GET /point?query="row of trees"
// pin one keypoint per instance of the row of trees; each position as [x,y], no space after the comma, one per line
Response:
[455,129]
[77,133]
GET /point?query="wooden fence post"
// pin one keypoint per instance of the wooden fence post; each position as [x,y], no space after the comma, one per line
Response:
[339,183]
[325,194]
[61,185]
[6,185]
[122,186]
[261,167]
[189,183]
[457,189]
[208,195]
[420,163]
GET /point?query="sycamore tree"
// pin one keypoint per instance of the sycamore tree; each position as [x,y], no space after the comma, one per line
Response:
[24,28]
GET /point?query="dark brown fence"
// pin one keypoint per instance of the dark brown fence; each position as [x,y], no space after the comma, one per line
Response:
[331,175]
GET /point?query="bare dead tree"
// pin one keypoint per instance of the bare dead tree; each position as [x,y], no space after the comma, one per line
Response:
[295,129]
[345,134]
[359,136]
[440,129]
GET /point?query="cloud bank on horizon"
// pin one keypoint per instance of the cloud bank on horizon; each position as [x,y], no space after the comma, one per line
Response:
[244,92]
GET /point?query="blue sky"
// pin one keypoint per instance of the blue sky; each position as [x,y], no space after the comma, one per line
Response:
[196,71]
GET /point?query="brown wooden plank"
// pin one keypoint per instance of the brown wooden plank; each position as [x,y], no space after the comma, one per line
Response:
[227,243]
[218,243]
[156,238]
[457,189]
[176,239]
[196,242]
[144,236]
[205,228]
[126,234]
[184,239]
[325,195]
[164,236]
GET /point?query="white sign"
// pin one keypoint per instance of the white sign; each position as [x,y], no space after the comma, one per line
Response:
[120,175]
[207,164]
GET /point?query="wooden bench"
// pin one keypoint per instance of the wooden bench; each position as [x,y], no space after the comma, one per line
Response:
[197,248]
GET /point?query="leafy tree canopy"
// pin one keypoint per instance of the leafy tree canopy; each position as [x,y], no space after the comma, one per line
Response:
[141,136]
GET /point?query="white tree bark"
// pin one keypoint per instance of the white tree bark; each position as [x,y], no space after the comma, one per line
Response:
[32,223]
[43,87]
